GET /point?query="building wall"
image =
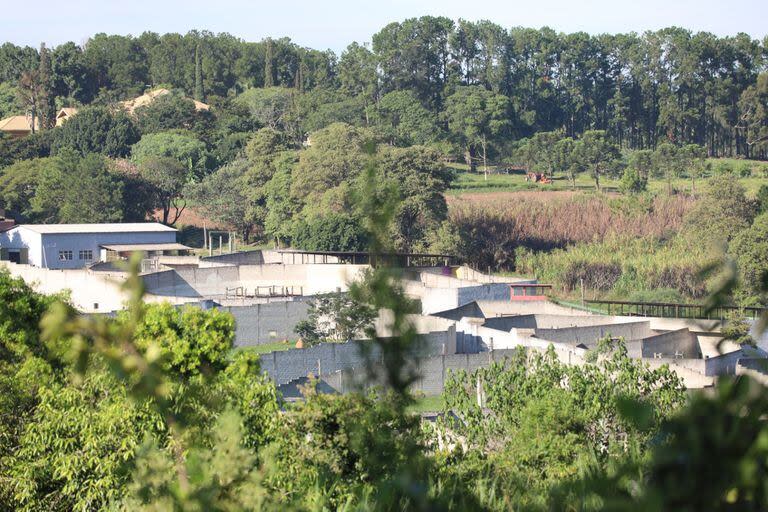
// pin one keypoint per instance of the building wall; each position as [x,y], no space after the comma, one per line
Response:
[44,248]
[668,344]
[88,291]
[266,323]
[308,279]
[328,358]
[591,334]
[17,238]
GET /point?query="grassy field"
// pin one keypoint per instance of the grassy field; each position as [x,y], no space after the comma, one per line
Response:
[276,346]
[467,182]
[427,404]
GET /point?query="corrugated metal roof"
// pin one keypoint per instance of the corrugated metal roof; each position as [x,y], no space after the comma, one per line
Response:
[146,247]
[136,227]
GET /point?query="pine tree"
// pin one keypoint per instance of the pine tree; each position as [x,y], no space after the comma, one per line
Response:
[46,105]
[269,73]
[199,93]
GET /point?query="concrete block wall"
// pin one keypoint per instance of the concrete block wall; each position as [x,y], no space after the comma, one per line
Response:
[289,365]
[590,334]
[266,323]
[668,344]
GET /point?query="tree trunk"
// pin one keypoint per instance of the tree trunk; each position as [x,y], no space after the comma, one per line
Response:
[469,159]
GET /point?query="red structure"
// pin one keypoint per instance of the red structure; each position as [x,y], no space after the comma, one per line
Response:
[529,291]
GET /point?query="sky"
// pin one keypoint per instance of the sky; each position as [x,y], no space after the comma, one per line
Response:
[333,24]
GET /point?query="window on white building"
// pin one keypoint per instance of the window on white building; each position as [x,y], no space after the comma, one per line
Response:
[85,255]
[65,255]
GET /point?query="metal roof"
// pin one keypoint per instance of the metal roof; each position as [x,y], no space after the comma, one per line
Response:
[136,227]
[146,247]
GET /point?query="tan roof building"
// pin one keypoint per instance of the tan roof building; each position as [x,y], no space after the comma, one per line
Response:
[18,126]
[64,115]
[145,99]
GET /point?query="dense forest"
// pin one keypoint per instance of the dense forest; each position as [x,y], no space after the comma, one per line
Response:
[670,85]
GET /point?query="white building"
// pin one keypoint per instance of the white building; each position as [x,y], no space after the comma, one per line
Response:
[64,246]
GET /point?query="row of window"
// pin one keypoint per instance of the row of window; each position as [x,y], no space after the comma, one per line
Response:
[83,255]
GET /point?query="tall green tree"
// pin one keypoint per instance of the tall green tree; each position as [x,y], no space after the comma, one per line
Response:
[596,154]
[476,117]
[62,187]
[97,130]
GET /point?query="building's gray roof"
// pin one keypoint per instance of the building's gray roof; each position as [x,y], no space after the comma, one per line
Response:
[136,227]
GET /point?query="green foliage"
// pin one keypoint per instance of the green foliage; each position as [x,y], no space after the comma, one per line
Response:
[536,420]
[13,150]
[336,156]
[762,199]
[183,147]
[596,154]
[270,107]
[332,232]
[336,317]
[737,329]
[723,211]
[621,265]
[476,117]
[97,130]
[66,180]
[8,106]
[400,119]
[166,112]
[189,339]
[220,196]
[18,184]
[750,250]
[632,182]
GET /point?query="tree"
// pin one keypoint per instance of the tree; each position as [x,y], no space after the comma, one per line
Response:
[166,112]
[563,158]
[694,162]
[749,248]
[762,199]
[596,154]
[18,185]
[270,107]
[222,198]
[632,182]
[669,163]
[8,100]
[336,156]
[331,232]
[722,212]
[421,179]
[97,130]
[540,151]
[182,147]
[32,95]
[402,121]
[642,161]
[358,74]
[47,106]
[753,114]
[63,185]
[475,117]
[336,317]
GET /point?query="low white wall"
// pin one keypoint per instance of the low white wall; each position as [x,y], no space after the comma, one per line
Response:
[89,291]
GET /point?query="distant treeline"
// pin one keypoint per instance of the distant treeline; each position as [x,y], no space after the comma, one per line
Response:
[670,85]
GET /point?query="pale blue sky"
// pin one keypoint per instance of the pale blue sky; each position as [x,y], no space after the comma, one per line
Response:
[333,24]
